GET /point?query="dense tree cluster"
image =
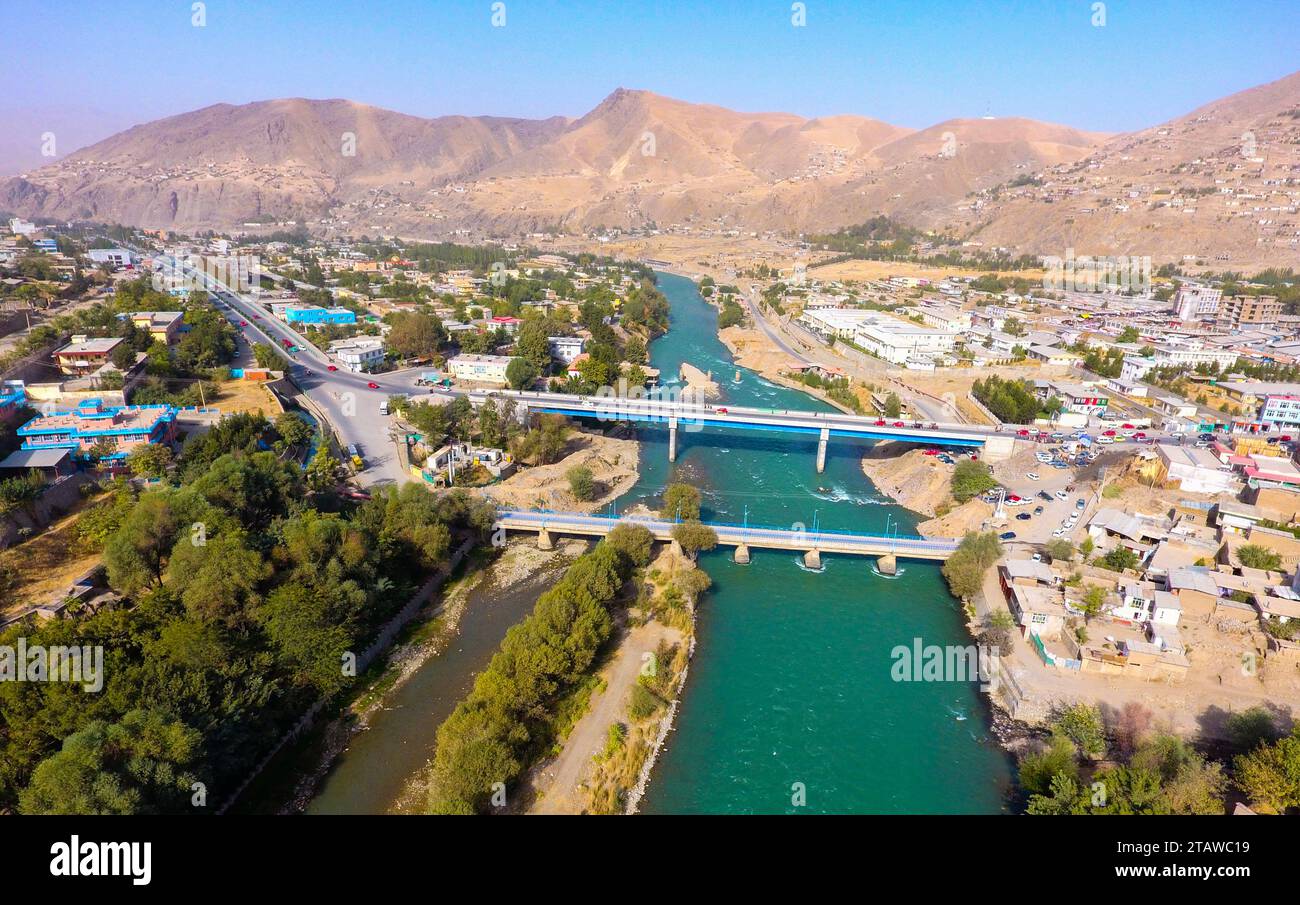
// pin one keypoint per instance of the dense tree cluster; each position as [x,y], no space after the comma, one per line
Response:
[1012,401]
[508,718]
[240,599]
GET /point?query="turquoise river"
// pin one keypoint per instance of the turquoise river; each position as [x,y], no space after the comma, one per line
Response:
[790,689]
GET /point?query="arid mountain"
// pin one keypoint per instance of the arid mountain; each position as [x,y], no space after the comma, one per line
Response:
[1221,184]
[639,158]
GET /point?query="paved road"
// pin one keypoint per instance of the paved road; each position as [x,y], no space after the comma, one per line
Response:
[349,403]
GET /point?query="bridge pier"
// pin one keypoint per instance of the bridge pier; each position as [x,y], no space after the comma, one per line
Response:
[887,564]
[672,439]
[998,448]
[821,449]
[544,541]
[742,554]
[813,559]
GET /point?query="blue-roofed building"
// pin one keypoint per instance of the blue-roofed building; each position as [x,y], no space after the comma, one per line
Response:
[314,314]
[12,398]
[91,423]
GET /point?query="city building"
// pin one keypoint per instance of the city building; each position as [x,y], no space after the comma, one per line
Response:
[93,426]
[480,368]
[1076,397]
[1194,303]
[896,341]
[1248,310]
[82,355]
[114,257]
[360,353]
[312,315]
[163,326]
[566,348]
[1281,410]
[1196,470]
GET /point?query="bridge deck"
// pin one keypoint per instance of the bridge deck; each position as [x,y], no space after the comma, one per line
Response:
[733,535]
[693,415]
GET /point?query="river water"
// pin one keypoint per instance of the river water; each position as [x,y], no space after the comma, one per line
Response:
[791,680]
[790,691]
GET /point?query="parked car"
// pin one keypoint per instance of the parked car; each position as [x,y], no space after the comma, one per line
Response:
[1033,476]
[331,367]
[1038,510]
[1024,516]
[1061,495]
[1007,535]
[1080,504]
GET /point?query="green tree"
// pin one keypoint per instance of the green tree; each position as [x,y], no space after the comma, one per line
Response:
[695,537]
[581,483]
[970,479]
[322,472]
[138,765]
[893,406]
[1270,774]
[520,373]
[1060,550]
[632,541]
[149,460]
[1120,559]
[1254,556]
[681,502]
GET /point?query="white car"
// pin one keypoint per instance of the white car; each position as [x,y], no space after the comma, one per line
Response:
[1104,440]
[1061,495]
[1059,532]
[1033,476]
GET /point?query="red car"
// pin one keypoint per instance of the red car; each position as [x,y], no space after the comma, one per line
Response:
[899,424]
[373,385]
[880,422]
[721,410]
[1022,433]
[1139,436]
[257,317]
[1109,434]
[1127,427]
[931,452]
[974,457]
[1285,438]
[243,323]
[331,367]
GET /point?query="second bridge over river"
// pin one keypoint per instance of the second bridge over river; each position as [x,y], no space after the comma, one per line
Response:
[887,549]
[691,416]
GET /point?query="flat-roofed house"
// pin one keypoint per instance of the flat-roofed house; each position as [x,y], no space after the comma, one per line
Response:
[83,356]
[111,431]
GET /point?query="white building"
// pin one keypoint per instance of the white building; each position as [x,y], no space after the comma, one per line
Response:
[1281,411]
[566,348]
[480,368]
[360,353]
[1190,354]
[116,257]
[1193,303]
[897,341]
[945,317]
[842,323]
[1197,470]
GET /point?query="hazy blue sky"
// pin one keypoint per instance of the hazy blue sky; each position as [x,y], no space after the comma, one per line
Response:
[912,62]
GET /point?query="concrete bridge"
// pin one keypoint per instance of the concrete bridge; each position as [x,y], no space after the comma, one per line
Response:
[813,544]
[694,416]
